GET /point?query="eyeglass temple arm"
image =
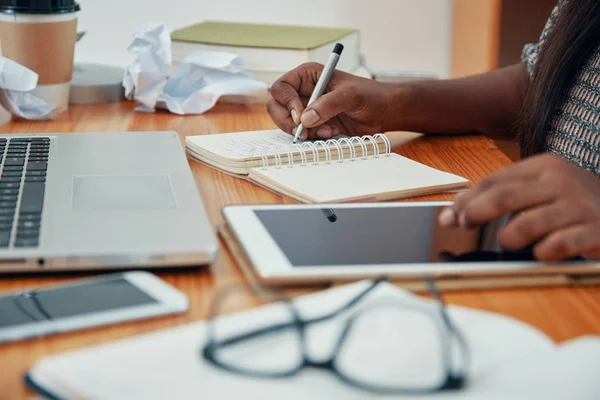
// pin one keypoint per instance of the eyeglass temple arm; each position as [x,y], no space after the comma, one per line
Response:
[446,318]
[299,322]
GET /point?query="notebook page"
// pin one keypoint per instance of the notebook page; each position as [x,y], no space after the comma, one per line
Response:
[383,178]
[239,145]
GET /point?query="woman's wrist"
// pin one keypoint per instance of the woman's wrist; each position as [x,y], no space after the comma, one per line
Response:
[489,103]
[403,106]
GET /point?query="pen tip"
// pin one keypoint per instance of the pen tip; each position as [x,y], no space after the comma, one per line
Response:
[294,142]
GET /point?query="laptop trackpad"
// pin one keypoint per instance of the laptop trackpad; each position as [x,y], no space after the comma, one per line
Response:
[122,192]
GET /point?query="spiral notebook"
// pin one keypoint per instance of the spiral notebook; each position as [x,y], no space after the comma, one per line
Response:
[337,170]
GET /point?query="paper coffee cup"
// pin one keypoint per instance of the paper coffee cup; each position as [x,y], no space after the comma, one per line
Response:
[41,35]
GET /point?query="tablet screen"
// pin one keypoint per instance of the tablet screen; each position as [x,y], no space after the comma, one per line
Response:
[386,235]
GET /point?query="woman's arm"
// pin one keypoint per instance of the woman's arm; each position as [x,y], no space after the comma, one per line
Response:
[489,103]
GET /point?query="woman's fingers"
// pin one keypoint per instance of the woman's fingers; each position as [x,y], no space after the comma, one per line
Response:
[556,206]
[292,87]
[328,106]
[483,205]
[328,130]
[281,116]
[288,97]
[580,239]
[284,121]
[531,182]
[534,224]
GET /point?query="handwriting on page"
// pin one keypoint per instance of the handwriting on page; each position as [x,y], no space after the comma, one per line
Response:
[241,147]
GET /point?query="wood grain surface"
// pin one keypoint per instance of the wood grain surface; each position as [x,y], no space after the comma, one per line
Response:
[562,313]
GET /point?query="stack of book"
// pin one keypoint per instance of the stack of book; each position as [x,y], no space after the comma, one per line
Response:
[269,51]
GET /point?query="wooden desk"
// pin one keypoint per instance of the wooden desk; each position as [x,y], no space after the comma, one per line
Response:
[562,313]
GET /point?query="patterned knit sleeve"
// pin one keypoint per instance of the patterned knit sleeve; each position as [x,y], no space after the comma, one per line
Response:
[531,51]
[529,56]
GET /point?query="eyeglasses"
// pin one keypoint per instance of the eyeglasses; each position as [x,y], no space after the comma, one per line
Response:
[390,346]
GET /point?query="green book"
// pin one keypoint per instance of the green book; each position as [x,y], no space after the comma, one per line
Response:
[268,51]
[260,35]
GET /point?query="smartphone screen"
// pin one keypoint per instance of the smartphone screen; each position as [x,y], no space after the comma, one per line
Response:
[70,301]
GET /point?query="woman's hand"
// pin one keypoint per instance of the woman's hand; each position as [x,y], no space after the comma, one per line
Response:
[350,105]
[556,207]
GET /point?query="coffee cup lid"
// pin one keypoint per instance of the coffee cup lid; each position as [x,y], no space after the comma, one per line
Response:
[38,6]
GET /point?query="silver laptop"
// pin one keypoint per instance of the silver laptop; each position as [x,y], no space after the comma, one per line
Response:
[99,200]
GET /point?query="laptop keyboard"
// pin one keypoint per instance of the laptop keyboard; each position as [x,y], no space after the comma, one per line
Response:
[23,165]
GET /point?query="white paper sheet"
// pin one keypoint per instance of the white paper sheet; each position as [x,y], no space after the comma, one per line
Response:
[197,84]
[15,83]
[168,364]
[568,372]
[144,79]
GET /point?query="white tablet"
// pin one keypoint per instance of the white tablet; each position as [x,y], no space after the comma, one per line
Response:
[309,243]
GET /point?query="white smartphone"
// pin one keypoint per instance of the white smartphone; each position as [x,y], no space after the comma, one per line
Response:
[87,303]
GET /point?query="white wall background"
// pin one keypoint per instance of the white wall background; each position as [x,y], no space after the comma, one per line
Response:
[406,35]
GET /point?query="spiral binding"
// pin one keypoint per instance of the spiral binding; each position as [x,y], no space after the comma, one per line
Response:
[329,146]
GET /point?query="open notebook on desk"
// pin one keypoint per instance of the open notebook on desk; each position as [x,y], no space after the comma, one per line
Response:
[338,170]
